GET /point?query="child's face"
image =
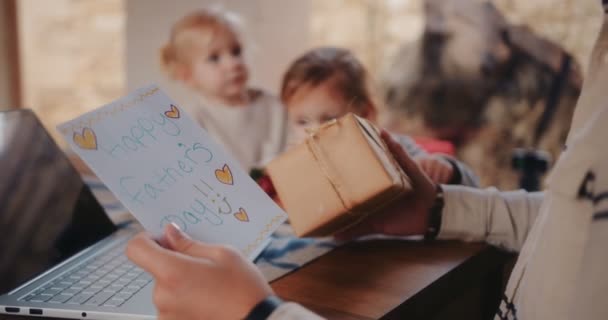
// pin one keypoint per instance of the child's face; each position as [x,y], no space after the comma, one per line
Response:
[311,106]
[219,70]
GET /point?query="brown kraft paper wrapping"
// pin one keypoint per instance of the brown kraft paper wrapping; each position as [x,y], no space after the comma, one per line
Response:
[342,173]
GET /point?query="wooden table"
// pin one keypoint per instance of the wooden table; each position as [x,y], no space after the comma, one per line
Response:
[394,279]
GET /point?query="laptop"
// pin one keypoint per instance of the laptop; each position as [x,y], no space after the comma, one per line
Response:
[60,254]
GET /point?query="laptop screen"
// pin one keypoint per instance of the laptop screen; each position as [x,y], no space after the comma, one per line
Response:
[47,213]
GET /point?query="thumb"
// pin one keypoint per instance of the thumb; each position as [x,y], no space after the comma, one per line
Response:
[179,241]
[411,168]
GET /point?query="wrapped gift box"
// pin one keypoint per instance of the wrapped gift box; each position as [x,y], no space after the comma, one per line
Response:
[341,173]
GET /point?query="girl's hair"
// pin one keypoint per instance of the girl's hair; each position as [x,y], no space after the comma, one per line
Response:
[193,31]
[349,77]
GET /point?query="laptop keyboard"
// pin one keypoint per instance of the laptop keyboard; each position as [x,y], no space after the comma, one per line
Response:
[109,279]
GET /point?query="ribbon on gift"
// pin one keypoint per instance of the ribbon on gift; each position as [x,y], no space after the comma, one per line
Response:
[326,167]
[403,177]
[340,188]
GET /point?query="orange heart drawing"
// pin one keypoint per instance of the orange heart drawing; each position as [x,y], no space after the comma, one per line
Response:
[86,139]
[173,113]
[242,215]
[224,175]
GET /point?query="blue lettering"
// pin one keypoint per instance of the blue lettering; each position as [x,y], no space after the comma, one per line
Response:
[135,197]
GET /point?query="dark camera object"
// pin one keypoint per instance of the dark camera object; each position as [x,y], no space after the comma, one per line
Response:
[531,164]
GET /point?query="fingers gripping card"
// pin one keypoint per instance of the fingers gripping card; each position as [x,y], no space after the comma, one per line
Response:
[166,169]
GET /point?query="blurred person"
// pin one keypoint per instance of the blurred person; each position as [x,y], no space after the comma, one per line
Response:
[205,53]
[327,83]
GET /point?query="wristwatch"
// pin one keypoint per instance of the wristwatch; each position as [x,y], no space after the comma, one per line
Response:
[265,308]
[434,222]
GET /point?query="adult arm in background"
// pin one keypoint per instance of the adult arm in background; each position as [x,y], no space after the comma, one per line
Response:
[502,219]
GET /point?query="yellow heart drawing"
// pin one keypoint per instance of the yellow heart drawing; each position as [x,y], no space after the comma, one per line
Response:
[173,113]
[86,139]
[224,175]
[242,215]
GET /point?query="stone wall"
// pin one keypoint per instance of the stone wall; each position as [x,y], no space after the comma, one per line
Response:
[478,76]
[376,29]
[573,24]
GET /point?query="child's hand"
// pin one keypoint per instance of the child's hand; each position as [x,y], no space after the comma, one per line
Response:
[195,280]
[437,168]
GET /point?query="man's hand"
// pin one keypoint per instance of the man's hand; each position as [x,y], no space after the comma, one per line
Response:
[196,280]
[407,215]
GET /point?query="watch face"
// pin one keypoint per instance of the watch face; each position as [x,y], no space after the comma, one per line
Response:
[434,218]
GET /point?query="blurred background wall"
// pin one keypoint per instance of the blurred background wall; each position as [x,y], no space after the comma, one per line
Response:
[68,56]
[72,56]
[4,77]
[276,31]
[9,79]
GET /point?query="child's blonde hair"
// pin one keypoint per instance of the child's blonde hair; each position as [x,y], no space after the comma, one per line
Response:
[194,31]
[349,77]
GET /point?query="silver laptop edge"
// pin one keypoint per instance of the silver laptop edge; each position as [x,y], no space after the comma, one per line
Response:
[138,307]
[57,251]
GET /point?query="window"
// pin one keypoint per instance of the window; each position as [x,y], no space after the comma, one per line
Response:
[71,55]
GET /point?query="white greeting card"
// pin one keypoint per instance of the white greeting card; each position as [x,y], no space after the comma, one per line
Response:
[166,169]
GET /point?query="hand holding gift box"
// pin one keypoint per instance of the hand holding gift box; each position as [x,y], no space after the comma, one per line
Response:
[342,173]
